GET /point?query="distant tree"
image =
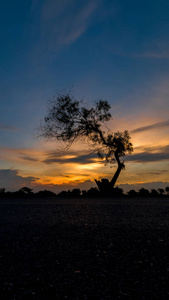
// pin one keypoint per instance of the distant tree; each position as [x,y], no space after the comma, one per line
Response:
[64,194]
[144,192]
[118,192]
[2,192]
[75,192]
[68,121]
[167,190]
[161,191]
[132,193]
[45,193]
[26,190]
[92,192]
[84,193]
[154,193]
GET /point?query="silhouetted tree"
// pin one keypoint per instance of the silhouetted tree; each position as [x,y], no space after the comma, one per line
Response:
[154,193]
[68,121]
[45,193]
[118,192]
[75,192]
[144,192]
[167,190]
[132,193]
[92,192]
[26,190]
[161,191]
[2,192]
[64,194]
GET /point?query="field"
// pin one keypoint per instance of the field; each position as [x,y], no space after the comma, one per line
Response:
[84,249]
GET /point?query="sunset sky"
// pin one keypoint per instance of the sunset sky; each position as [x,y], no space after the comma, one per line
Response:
[111,50]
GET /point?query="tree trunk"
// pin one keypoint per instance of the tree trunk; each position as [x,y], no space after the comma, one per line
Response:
[116,175]
[105,186]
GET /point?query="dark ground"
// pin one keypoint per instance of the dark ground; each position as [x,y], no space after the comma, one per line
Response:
[84,249]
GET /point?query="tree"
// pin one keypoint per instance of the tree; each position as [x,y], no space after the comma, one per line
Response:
[167,190]
[26,190]
[161,191]
[132,193]
[2,190]
[144,192]
[154,193]
[92,192]
[68,121]
[45,193]
[75,192]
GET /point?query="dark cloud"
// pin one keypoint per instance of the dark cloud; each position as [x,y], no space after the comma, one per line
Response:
[82,159]
[150,155]
[6,127]
[29,158]
[70,175]
[11,180]
[153,173]
[152,126]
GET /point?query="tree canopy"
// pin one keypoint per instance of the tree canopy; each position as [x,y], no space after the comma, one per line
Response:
[68,120]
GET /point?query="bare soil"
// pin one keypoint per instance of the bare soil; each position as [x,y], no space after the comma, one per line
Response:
[84,249]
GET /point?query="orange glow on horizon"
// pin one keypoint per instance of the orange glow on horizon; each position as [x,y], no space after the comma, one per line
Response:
[36,163]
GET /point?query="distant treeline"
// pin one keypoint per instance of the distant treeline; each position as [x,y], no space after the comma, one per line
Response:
[92,192]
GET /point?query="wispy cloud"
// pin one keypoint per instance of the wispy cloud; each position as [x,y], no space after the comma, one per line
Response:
[18,155]
[73,157]
[150,155]
[7,127]
[151,127]
[151,54]
[158,49]
[29,158]
[63,22]
[155,173]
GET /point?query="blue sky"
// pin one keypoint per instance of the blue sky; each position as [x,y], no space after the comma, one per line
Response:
[114,50]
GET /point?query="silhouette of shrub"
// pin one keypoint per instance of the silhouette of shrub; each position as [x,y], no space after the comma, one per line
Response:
[75,193]
[132,193]
[144,192]
[161,191]
[154,193]
[45,193]
[26,190]
[167,190]
[64,194]
[93,192]
[20,194]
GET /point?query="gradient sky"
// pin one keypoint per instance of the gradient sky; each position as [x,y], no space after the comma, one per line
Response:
[113,50]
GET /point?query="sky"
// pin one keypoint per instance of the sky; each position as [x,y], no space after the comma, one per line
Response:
[112,50]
